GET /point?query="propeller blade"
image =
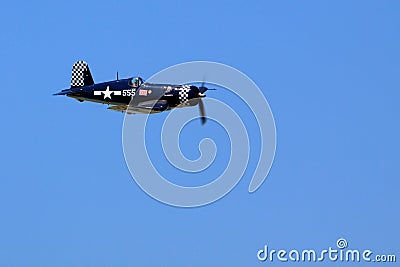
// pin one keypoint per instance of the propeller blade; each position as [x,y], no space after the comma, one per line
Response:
[202,112]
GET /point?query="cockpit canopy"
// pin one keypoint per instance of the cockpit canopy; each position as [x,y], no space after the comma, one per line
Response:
[136,82]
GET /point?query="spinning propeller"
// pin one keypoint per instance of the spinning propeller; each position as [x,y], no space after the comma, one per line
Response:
[202,90]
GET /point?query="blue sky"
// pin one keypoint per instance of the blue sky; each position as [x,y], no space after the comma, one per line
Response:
[329,69]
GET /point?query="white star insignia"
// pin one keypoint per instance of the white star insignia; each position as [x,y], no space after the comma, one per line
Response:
[107,93]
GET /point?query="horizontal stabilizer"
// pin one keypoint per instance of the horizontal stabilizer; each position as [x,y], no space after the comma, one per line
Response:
[68,91]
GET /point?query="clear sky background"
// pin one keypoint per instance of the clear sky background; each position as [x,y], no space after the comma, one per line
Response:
[329,69]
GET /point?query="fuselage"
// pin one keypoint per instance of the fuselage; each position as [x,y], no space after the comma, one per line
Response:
[126,92]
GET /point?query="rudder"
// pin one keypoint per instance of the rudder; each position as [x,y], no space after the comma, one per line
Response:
[81,75]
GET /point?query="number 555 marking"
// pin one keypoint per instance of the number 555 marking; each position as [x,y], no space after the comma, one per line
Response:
[128,92]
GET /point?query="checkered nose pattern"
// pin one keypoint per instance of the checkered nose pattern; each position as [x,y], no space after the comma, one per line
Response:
[184,94]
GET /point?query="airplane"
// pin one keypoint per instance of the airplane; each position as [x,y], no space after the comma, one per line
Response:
[133,95]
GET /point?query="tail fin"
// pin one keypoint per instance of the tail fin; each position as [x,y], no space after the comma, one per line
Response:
[81,75]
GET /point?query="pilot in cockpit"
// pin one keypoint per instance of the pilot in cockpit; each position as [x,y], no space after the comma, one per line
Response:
[136,82]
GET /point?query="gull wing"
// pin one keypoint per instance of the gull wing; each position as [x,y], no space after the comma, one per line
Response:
[152,106]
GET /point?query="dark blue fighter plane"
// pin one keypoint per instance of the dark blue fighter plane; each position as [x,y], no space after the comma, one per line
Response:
[133,95]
